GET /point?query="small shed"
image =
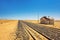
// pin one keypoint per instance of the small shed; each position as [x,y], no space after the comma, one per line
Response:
[46,20]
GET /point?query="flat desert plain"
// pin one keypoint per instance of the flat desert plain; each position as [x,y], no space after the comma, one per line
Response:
[7,29]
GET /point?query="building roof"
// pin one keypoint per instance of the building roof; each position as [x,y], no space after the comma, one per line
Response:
[46,18]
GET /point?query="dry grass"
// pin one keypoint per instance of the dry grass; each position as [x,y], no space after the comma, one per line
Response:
[7,29]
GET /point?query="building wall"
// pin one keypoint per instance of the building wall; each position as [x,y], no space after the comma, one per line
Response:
[45,21]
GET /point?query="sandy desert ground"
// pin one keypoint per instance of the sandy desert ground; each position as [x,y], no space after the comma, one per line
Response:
[57,24]
[8,28]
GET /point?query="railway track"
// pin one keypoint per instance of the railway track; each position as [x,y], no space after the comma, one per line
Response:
[31,31]
[35,35]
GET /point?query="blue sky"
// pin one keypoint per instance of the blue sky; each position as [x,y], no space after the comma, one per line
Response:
[29,9]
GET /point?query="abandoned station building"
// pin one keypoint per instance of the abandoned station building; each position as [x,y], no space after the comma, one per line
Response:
[47,20]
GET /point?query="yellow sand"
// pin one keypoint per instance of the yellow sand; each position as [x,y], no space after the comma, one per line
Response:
[7,29]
